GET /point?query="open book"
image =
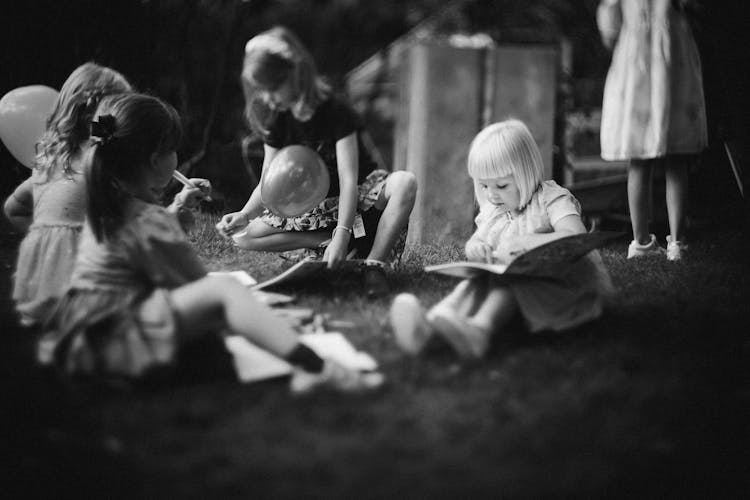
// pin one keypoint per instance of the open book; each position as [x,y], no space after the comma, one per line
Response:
[307,269]
[543,262]
[252,363]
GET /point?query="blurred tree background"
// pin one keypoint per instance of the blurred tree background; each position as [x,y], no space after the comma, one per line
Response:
[189,52]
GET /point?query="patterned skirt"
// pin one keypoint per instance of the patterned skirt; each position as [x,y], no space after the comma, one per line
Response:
[326,214]
[325,217]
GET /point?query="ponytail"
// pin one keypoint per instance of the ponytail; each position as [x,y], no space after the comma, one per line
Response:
[128,130]
[104,199]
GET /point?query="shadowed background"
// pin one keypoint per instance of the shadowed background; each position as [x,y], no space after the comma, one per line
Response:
[651,401]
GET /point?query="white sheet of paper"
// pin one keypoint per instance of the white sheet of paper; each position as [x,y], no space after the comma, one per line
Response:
[272,298]
[268,298]
[241,276]
[254,364]
[335,346]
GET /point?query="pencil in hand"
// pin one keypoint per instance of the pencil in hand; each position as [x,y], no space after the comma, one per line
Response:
[187,182]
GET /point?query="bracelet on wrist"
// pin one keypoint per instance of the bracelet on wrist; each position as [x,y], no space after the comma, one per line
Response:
[343,228]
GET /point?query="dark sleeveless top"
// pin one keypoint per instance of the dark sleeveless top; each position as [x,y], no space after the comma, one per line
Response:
[333,120]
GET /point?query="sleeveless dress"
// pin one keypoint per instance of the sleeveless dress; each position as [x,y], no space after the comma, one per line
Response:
[47,253]
[653,96]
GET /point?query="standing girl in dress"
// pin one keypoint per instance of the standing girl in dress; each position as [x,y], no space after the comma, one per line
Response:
[139,292]
[50,205]
[518,211]
[653,111]
[286,102]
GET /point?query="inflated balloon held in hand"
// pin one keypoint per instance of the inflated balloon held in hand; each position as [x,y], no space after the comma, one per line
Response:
[295,182]
[23,116]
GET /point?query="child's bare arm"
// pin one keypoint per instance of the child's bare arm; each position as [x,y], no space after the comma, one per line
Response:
[233,222]
[347,158]
[188,199]
[19,207]
[609,21]
[253,208]
[515,246]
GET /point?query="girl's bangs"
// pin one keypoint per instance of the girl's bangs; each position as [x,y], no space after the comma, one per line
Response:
[491,158]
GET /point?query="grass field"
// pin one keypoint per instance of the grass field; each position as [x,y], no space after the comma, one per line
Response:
[649,401]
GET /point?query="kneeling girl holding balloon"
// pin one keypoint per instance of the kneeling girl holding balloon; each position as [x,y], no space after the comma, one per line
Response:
[364,208]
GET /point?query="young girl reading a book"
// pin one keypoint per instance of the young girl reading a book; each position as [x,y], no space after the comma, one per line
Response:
[518,211]
[139,292]
[366,208]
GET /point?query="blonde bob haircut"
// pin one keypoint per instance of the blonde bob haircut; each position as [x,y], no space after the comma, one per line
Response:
[273,58]
[502,149]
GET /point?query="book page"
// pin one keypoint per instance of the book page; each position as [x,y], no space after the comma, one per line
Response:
[307,269]
[547,261]
[466,269]
[298,271]
[241,276]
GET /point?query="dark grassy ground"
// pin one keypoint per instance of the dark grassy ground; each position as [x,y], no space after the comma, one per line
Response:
[649,401]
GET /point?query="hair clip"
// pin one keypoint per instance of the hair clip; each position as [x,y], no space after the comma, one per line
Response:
[103,129]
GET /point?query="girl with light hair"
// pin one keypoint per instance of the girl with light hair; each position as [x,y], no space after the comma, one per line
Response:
[518,211]
[50,206]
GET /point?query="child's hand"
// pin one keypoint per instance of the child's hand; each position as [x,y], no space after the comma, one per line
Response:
[478,250]
[190,197]
[231,223]
[509,249]
[335,252]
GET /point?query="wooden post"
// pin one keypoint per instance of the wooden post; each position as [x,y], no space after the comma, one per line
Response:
[525,88]
[448,94]
[438,118]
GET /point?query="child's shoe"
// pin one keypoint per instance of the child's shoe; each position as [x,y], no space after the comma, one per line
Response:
[375,281]
[409,323]
[469,340]
[635,249]
[675,249]
[337,377]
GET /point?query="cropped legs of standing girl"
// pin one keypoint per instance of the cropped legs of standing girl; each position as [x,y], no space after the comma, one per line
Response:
[653,112]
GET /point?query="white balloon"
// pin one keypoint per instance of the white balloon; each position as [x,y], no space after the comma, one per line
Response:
[23,117]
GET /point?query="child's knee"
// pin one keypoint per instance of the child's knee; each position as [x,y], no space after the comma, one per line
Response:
[249,238]
[245,240]
[405,185]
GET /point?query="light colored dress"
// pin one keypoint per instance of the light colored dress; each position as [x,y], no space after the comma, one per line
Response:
[583,290]
[116,318]
[653,97]
[47,253]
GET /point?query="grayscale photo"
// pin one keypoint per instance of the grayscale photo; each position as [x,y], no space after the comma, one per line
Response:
[350,249]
